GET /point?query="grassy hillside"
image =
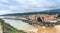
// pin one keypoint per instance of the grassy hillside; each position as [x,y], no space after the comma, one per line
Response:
[53,11]
[8,28]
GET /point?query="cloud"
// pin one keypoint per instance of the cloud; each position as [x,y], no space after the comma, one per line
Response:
[38,4]
[11,6]
[5,1]
[4,12]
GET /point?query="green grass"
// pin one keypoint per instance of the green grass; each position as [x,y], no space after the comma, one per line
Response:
[7,28]
[58,18]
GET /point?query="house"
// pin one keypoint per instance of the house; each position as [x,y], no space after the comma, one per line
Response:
[50,19]
[44,17]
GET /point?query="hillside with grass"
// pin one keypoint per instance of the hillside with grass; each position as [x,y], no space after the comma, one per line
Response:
[51,11]
[7,28]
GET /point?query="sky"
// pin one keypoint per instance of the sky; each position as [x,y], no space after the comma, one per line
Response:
[21,6]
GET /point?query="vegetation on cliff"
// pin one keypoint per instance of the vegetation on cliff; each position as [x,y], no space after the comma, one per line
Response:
[7,28]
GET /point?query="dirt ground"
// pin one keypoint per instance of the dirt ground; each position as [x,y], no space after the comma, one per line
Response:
[42,29]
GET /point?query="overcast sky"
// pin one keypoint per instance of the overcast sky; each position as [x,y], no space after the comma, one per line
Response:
[20,6]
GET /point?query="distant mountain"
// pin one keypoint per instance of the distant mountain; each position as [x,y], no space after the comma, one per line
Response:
[54,11]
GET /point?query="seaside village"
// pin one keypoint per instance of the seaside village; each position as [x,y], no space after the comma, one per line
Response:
[36,17]
[44,17]
[39,18]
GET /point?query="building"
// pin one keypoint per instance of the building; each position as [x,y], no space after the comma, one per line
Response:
[50,19]
[44,17]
